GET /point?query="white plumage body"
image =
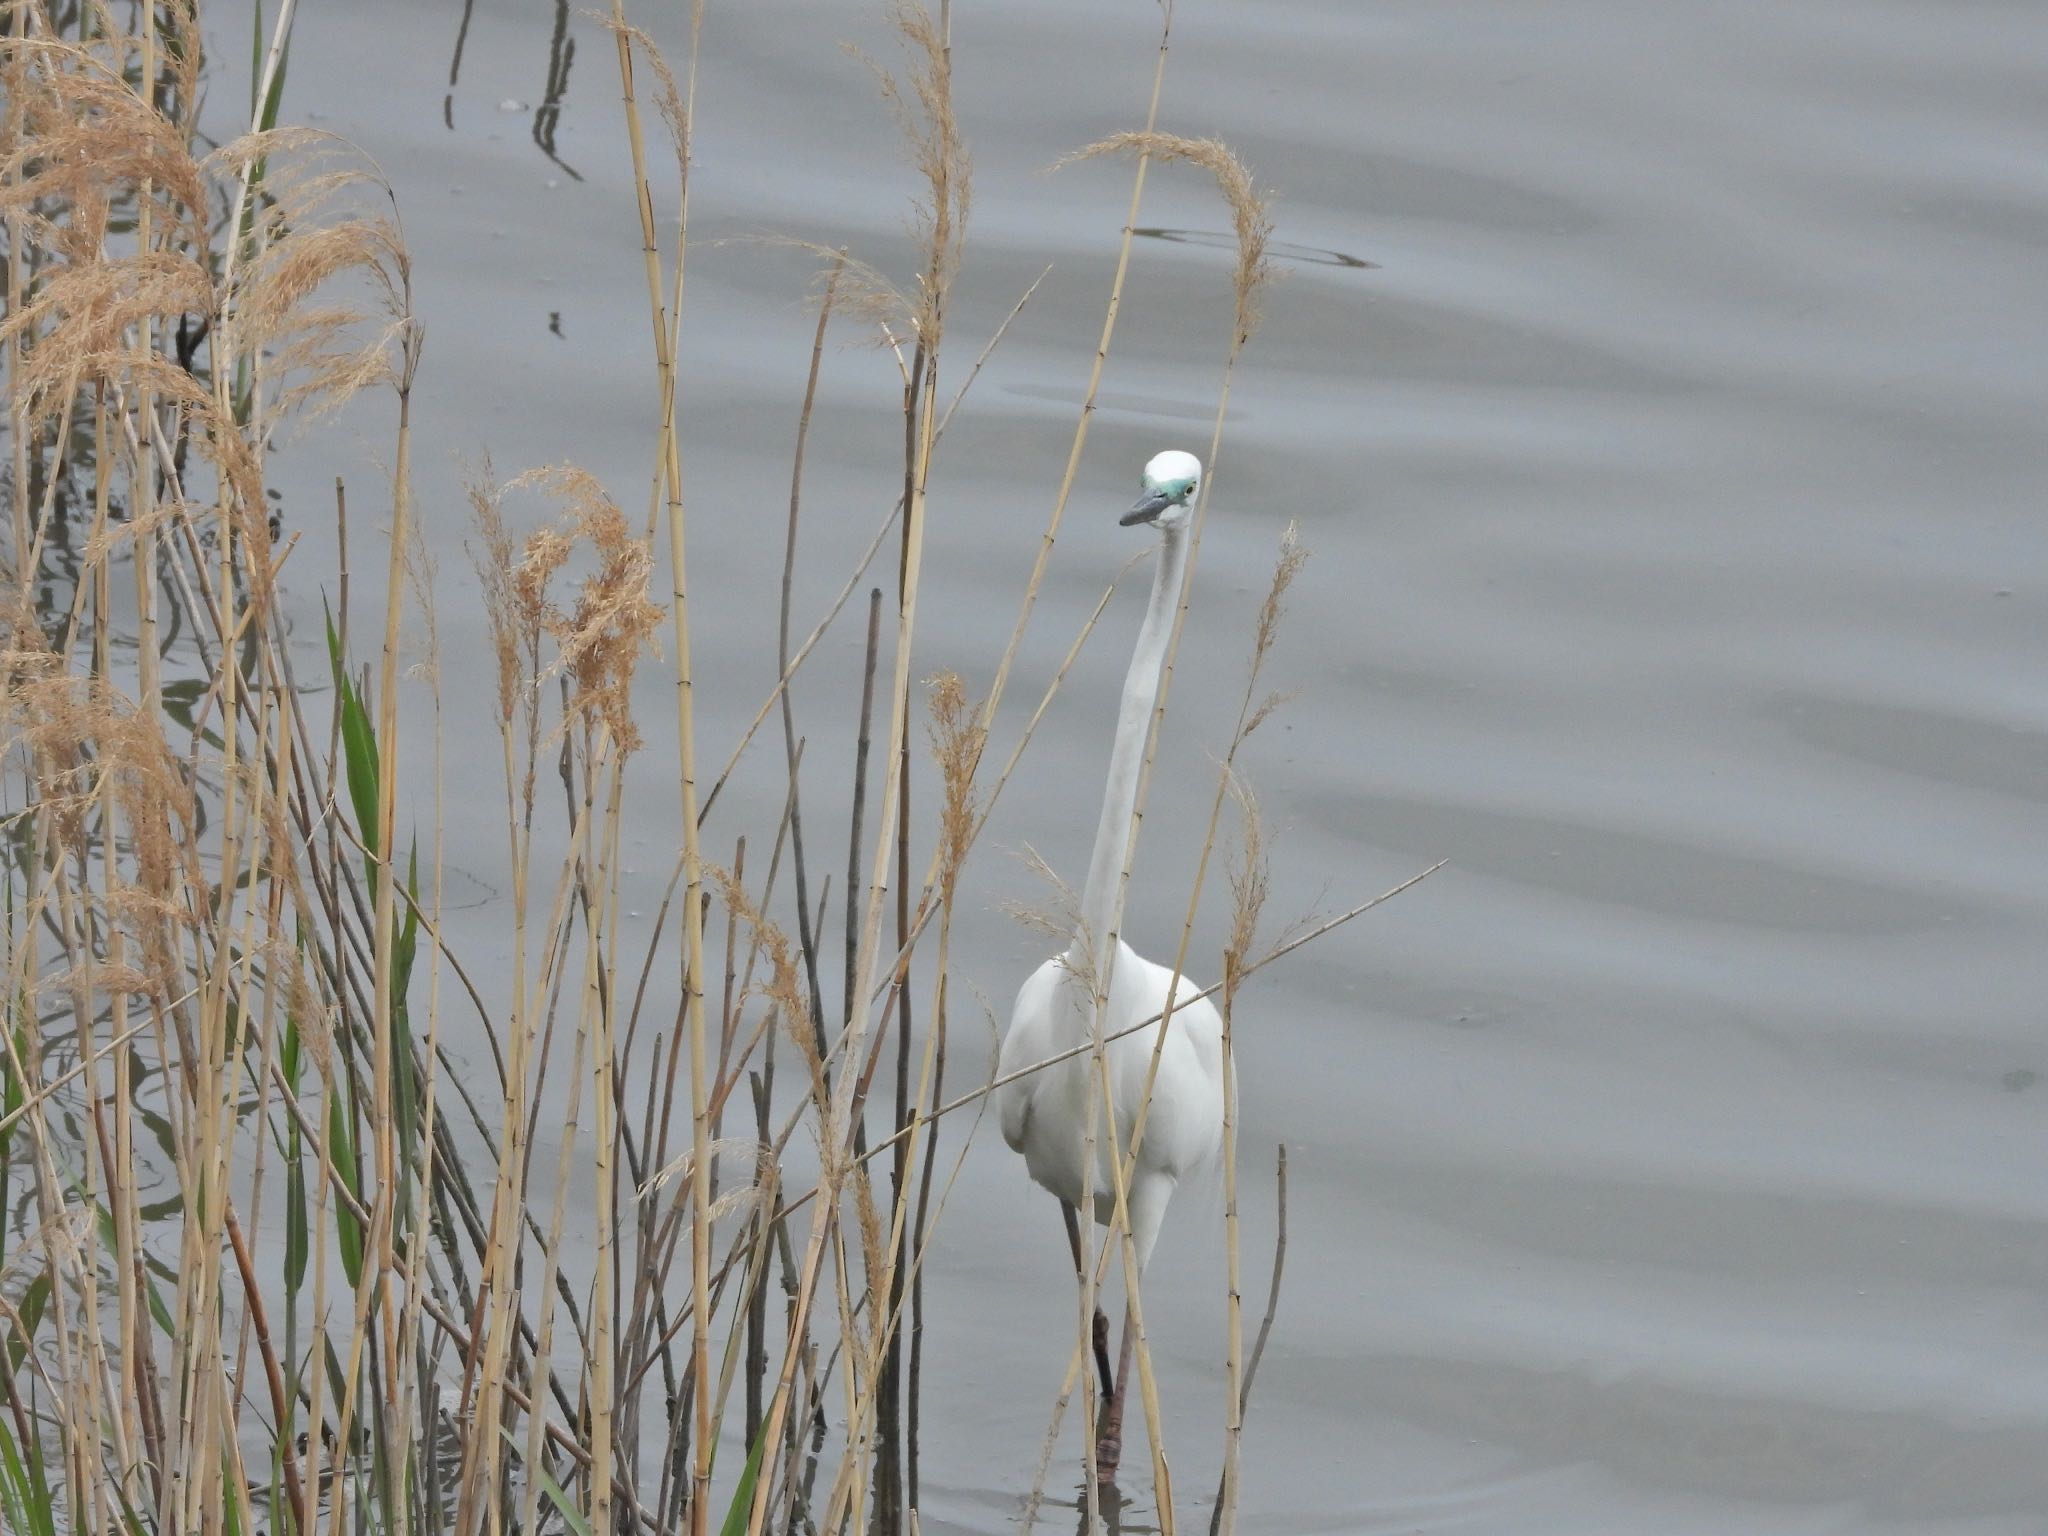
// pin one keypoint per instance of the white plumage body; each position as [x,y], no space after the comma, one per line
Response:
[1045,1113]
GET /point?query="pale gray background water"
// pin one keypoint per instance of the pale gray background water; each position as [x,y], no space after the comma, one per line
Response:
[1677,1160]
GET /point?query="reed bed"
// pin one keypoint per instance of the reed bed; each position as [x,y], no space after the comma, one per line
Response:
[268,1262]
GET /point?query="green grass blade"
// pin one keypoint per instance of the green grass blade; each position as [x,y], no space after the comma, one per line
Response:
[297,1239]
[231,1506]
[24,1488]
[33,1300]
[557,1494]
[358,744]
[104,1220]
[275,99]
[341,1148]
[13,1484]
[742,1506]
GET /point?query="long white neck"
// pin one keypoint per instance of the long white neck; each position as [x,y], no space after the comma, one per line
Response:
[1102,897]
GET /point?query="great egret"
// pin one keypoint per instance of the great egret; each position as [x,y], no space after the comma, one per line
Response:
[1045,1113]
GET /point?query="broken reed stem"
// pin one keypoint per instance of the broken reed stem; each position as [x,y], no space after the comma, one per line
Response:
[803,654]
[856,892]
[1226,1492]
[807,936]
[1251,1371]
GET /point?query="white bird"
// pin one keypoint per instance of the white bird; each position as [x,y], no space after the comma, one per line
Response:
[1045,1114]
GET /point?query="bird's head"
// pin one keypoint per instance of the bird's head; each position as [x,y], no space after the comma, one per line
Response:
[1171,479]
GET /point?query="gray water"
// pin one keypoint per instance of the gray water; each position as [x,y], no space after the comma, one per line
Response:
[1676,1160]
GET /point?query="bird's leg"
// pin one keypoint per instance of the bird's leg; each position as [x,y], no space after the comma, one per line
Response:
[1073,1234]
[1101,1322]
[1109,1435]
[1102,1355]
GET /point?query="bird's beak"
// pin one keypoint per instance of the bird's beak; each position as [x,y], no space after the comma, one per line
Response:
[1146,510]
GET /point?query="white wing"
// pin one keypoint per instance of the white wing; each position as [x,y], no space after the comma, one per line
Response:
[1029,1039]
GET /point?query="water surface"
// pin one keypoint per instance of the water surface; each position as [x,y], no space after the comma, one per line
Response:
[1675,1161]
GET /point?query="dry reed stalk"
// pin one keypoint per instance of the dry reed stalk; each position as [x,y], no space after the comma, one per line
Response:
[931,130]
[132,1322]
[1249,884]
[956,746]
[906,939]
[376,1291]
[602,637]
[201,1302]
[115,1188]
[420,570]
[225,957]
[1080,441]
[681,121]
[596,1020]
[514,611]
[551,1251]
[1045,548]
[889,1265]
[933,133]
[11,176]
[1249,215]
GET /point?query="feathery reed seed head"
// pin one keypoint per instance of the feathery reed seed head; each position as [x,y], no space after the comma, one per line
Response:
[1249,212]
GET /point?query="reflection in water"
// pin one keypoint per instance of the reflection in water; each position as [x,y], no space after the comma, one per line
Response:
[546,117]
[1279,250]
[455,65]
[1113,1505]
[561,54]
[1129,400]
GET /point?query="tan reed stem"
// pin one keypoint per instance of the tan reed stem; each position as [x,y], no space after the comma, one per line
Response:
[693,867]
